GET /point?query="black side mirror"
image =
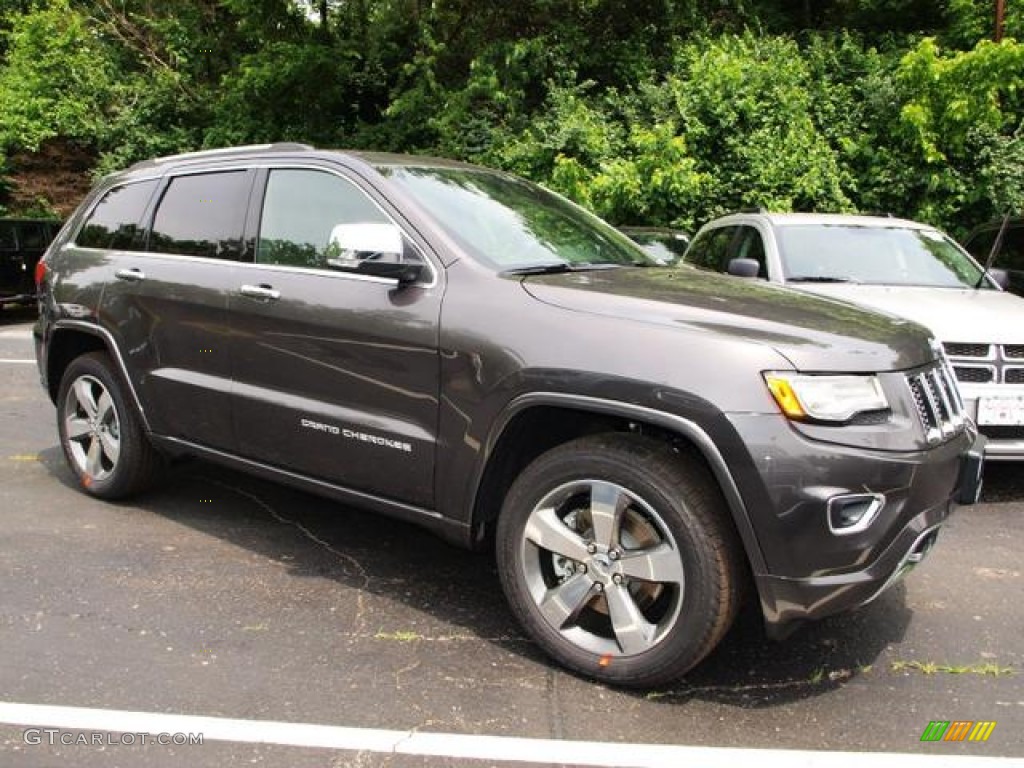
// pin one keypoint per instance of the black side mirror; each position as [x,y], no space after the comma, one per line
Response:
[1001,276]
[744,267]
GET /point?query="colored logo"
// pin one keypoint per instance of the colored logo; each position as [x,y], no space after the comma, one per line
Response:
[958,730]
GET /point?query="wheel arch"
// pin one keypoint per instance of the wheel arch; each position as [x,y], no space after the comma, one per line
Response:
[516,439]
[71,339]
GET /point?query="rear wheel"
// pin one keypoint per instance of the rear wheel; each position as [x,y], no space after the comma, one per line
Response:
[103,440]
[617,556]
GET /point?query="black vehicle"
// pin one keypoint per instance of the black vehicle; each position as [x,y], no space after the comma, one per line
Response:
[460,348]
[22,243]
[1009,258]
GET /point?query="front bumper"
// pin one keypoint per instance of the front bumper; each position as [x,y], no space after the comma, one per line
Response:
[798,600]
[1005,443]
[813,570]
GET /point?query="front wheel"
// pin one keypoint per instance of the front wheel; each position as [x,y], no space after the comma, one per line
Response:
[617,556]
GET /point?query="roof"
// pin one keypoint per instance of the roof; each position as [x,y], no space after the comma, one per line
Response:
[827,219]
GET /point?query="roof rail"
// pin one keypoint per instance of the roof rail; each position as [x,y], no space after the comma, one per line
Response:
[281,146]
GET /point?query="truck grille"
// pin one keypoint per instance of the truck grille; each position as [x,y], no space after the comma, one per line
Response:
[938,402]
[960,349]
[975,374]
[985,363]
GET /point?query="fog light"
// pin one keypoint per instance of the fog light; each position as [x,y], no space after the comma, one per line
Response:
[854,512]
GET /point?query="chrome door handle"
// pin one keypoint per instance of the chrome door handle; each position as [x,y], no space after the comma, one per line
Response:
[260,292]
[132,275]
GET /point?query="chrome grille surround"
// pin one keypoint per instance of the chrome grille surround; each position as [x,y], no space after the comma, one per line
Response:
[938,402]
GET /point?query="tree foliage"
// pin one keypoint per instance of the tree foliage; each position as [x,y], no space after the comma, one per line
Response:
[647,111]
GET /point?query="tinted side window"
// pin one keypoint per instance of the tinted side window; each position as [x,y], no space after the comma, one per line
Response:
[711,250]
[116,222]
[750,246]
[32,236]
[300,210]
[1011,256]
[8,242]
[202,215]
[980,245]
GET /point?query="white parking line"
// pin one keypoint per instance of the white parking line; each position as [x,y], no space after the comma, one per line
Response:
[459,745]
[16,360]
[16,333]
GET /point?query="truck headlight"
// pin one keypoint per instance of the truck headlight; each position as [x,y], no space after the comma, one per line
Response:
[834,399]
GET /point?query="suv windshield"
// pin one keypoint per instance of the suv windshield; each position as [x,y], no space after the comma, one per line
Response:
[876,256]
[511,224]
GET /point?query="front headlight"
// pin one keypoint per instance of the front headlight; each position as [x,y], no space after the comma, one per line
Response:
[834,399]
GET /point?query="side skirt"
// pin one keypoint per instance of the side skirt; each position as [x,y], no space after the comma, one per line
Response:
[450,530]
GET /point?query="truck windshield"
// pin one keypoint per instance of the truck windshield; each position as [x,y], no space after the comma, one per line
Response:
[511,224]
[875,256]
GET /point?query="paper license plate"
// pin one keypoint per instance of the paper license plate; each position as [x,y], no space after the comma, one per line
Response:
[1001,411]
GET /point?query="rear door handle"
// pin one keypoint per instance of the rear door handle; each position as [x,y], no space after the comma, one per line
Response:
[265,292]
[132,275]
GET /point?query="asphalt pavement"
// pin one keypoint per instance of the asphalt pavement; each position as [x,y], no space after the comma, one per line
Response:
[221,595]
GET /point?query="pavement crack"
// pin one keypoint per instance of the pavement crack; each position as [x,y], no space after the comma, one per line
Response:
[403,670]
[353,565]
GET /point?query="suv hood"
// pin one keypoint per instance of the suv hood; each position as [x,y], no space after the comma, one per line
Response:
[952,314]
[815,334]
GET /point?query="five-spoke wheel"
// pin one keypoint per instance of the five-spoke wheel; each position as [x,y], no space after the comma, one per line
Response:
[93,429]
[103,439]
[617,556]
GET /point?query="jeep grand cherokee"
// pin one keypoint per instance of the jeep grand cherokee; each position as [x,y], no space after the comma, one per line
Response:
[462,349]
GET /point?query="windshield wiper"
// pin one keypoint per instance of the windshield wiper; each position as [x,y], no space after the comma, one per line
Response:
[556,268]
[996,245]
[820,279]
[540,269]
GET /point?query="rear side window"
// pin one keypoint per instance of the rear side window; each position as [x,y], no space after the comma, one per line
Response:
[8,241]
[202,215]
[116,222]
[33,236]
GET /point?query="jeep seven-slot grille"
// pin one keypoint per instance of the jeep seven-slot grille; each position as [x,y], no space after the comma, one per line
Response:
[938,402]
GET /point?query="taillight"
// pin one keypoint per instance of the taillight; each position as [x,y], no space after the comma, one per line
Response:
[40,273]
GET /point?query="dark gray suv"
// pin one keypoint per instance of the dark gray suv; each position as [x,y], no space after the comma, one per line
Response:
[464,350]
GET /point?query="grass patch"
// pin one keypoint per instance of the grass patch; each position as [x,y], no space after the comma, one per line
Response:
[931,668]
[400,636]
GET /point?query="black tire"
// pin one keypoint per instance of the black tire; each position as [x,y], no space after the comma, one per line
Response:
[94,417]
[599,618]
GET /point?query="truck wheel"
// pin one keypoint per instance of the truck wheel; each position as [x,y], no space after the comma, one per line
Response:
[618,557]
[103,440]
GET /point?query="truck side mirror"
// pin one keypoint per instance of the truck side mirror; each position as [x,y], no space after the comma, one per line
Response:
[744,267]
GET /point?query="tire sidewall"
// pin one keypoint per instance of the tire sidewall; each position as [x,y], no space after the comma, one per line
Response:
[95,366]
[686,642]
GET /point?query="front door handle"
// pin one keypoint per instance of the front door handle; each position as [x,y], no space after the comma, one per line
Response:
[133,275]
[265,292]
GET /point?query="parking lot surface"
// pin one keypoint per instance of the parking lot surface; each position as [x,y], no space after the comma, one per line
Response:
[224,596]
